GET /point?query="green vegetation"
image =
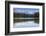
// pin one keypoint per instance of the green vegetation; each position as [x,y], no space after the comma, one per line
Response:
[36,15]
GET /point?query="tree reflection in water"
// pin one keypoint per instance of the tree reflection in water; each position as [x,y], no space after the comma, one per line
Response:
[23,20]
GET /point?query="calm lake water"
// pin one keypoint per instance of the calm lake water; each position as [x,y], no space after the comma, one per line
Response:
[26,24]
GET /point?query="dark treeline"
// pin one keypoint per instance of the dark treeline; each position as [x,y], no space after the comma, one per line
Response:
[35,15]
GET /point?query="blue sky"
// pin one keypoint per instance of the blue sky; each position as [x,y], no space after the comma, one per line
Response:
[26,10]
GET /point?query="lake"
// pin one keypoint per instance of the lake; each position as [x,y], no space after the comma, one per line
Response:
[26,24]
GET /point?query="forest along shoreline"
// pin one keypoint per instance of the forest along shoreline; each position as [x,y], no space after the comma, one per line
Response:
[26,17]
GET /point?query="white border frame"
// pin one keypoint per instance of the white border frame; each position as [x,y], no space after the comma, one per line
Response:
[24,29]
